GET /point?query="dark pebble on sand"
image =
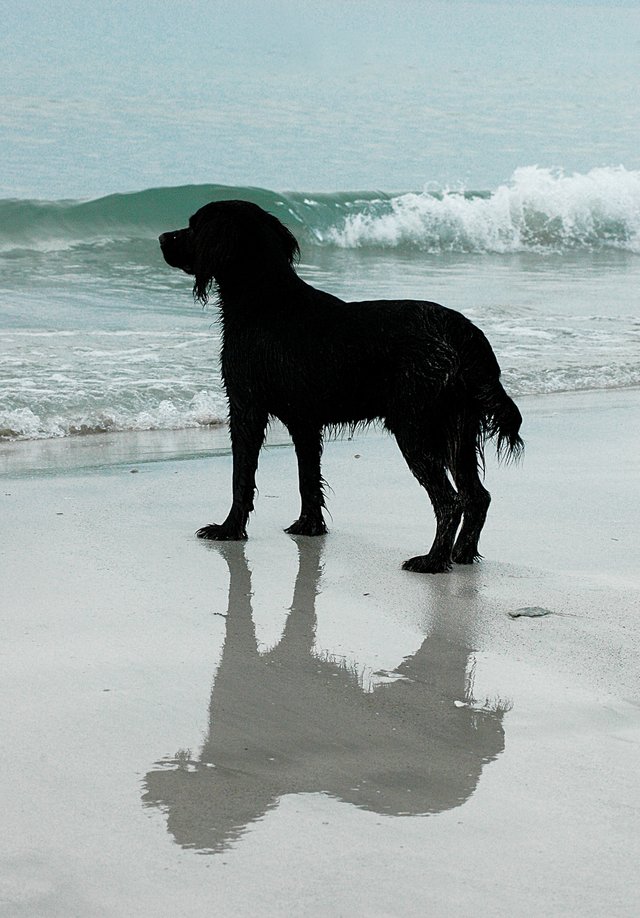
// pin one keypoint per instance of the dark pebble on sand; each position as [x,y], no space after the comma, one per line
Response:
[530,612]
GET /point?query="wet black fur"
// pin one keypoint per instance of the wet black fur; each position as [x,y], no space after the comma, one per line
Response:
[315,362]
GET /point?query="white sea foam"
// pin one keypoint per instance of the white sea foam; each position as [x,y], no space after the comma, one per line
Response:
[538,209]
[204,409]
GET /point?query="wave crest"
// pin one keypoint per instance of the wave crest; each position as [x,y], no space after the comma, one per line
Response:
[537,210]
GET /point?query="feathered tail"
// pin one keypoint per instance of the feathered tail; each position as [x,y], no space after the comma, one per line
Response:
[500,419]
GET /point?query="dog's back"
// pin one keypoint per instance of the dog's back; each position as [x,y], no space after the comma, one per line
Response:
[331,363]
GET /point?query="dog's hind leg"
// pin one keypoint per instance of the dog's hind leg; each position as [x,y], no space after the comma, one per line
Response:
[308,445]
[247,436]
[474,497]
[429,468]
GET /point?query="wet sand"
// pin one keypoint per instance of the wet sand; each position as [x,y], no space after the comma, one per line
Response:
[297,726]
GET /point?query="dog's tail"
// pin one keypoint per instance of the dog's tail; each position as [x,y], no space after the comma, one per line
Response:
[500,419]
[497,416]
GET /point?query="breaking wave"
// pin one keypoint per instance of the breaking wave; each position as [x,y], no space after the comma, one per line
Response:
[537,210]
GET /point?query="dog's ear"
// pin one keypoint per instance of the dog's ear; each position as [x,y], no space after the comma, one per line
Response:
[215,251]
[285,237]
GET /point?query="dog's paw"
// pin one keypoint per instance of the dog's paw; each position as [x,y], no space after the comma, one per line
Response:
[217,533]
[465,556]
[427,564]
[307,526]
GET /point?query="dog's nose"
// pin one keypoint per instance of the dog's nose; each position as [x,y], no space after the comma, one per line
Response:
[163,237]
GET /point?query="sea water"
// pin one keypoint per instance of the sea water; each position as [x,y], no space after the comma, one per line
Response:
[482,155]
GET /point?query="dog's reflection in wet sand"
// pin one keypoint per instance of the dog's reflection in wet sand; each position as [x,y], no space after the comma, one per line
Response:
[291,721]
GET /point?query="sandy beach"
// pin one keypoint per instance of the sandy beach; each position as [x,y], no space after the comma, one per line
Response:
[299,727]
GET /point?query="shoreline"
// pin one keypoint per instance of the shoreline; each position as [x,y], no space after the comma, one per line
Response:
[104,449]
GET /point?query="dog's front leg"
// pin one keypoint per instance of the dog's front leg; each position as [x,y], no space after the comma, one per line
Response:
[308,444]
[247,430]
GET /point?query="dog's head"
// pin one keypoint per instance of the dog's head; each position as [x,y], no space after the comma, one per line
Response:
[230,241]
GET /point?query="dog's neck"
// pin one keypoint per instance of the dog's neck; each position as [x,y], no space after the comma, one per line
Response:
[257,291]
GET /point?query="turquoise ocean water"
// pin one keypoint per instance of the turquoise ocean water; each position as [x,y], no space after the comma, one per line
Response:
[484,155]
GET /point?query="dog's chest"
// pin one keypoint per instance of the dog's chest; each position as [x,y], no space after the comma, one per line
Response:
[255,359]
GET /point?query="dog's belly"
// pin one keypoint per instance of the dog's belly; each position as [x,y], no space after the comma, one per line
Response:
[336,408]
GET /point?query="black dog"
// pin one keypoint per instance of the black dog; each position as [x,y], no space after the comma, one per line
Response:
[295,353]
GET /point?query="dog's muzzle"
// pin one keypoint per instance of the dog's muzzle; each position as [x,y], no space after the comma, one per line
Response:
[174,251]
